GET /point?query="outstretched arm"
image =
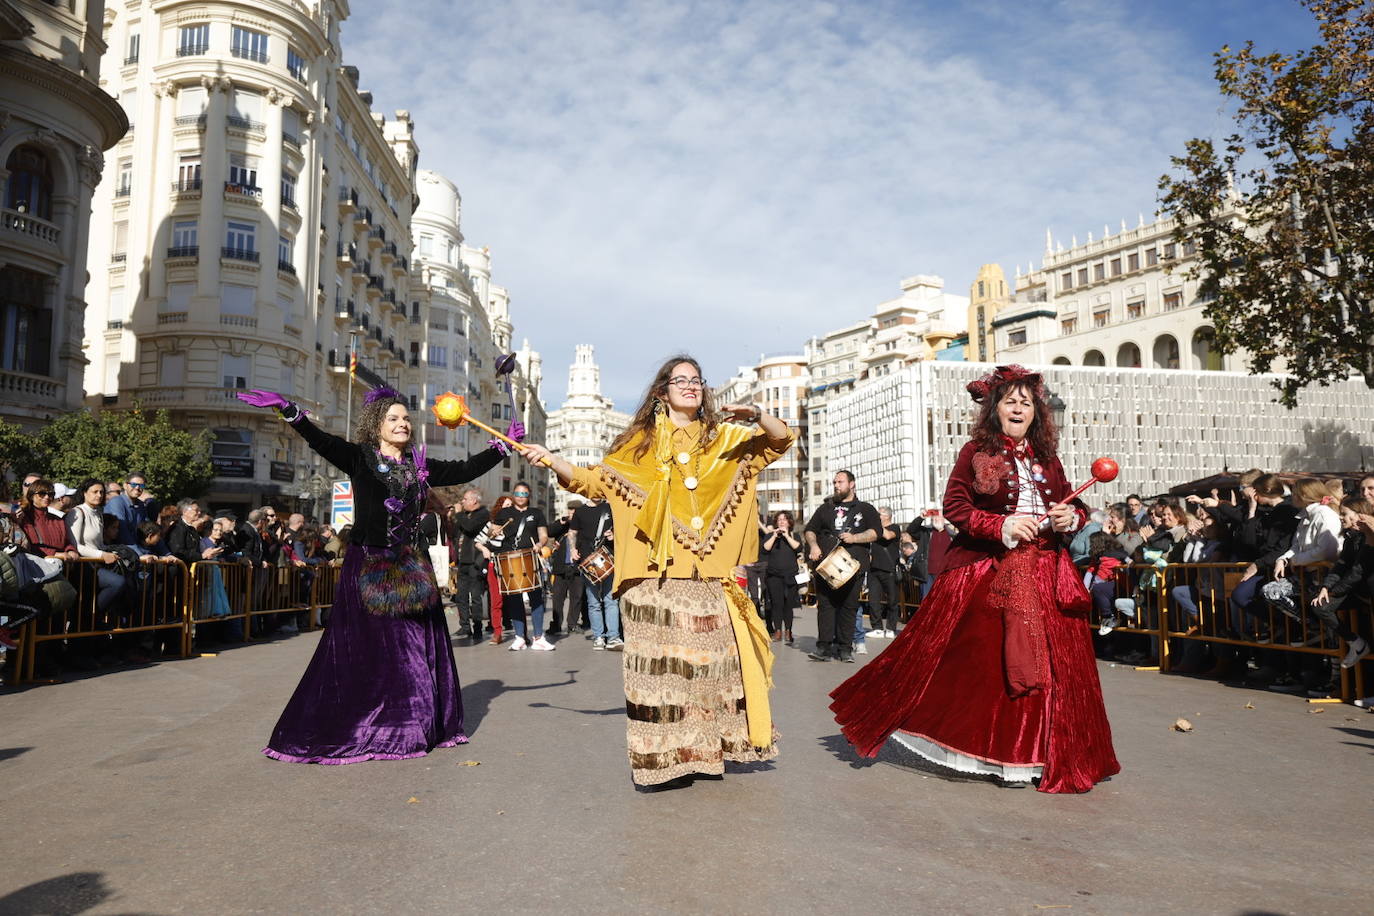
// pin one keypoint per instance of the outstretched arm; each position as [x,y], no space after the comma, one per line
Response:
[337,450]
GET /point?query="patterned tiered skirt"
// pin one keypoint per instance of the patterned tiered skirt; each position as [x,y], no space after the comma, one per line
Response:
[684,697]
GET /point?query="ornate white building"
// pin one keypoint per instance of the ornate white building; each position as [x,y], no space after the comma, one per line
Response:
[465,328]
[911,328]
[778,383]
[582,429]
[55,122]
[1121,301]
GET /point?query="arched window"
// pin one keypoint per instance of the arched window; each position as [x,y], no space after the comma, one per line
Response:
[1166,352]
[1094,358]
[1128,356]
[29,189]
[1205,355]
[1062,361]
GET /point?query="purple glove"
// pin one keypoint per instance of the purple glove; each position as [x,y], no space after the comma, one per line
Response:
[261,398]
[516,430]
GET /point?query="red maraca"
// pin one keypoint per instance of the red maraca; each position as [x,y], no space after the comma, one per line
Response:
[1103,469]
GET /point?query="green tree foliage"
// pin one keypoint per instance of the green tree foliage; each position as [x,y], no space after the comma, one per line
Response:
[1282,210]
[18,452]
[112,444]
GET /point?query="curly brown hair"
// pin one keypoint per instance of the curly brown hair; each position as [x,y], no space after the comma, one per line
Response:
[369,426]
[642,424]
[1042,435]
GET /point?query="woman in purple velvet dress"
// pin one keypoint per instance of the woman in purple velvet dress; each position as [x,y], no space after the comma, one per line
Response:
[382,684]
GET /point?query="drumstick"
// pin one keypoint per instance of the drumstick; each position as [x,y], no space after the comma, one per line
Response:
[1103,469]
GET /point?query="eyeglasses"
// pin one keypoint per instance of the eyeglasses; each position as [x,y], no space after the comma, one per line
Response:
[40,492]
[682,381]
[134,486]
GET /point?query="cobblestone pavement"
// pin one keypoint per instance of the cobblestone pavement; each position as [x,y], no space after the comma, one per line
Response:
[142,791]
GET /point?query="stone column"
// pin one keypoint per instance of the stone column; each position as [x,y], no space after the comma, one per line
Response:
[157,237]
[269,227]
[214,173]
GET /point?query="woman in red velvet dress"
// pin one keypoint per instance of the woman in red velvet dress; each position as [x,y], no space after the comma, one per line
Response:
[996,674]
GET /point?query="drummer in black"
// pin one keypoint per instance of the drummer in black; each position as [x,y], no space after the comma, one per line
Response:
[524,528]
[593,527]
[843,519]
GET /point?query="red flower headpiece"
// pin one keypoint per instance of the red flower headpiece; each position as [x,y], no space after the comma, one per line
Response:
[1004,375]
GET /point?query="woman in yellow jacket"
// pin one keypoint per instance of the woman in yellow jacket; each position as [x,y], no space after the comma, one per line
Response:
[681,482]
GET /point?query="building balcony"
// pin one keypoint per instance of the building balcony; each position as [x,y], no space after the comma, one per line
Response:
[298,73]
[291,140]
[183,252]
[259,57]
[29,389]
[248,124]
[23,227]
[193,121]
[362,219]
[414,360]
[124,190]
[238,321]
[119,257]
[235,191]
[186,189]
[131,60]
[401,265]
[192,50]
[345,309]
[289,203]
[366,321]
[348,201]
[171,318]
[286,267]
[239,254]
[389,253]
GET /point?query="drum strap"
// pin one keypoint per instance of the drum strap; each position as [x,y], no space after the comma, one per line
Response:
[600,527]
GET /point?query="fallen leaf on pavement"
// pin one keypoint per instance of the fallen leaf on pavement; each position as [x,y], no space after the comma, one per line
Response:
[469,763]
[1316,710]
[1182,725]
[1249,705]
[412,800]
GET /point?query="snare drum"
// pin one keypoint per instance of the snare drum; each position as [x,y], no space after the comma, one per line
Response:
[597,565]
[518,571]
[837,567]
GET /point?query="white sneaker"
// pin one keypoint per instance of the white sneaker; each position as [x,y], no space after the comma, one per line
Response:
[599,642]
[890,634]
[860,649]
[518,644]
[1107,626]
[542,645]
[615,644]
[1358,650]
[1366,703]
[876,634]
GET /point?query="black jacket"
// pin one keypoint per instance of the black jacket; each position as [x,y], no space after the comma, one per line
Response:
[1264,538]
[370,520]
[560,537]
[1353,571]
[183,542]
[463,528]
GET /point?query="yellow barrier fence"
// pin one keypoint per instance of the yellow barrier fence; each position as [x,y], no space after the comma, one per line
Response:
[152,598]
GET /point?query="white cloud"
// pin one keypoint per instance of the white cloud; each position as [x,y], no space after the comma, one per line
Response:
[731,178]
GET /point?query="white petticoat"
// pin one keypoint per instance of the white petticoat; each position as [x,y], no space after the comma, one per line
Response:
[962,763]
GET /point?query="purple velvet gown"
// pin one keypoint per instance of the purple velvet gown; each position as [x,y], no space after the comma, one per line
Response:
[378,688]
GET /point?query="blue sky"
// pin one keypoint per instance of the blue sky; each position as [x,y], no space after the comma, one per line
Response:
[732,178]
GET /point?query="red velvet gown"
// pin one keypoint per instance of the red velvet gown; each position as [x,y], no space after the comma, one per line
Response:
[993,675]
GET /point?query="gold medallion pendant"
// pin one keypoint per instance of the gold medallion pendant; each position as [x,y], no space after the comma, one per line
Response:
[697,523]
[690,483]
[683,457]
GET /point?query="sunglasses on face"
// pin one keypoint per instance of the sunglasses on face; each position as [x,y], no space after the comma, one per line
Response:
[40,492]
[135,486]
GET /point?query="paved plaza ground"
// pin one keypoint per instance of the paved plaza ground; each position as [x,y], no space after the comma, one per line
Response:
[142,791]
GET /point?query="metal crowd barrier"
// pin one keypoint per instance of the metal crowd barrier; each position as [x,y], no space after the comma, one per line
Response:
[1165,620]
[169,596]
[154,599]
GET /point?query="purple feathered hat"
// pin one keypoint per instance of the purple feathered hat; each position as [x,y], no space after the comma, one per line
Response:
[381,393]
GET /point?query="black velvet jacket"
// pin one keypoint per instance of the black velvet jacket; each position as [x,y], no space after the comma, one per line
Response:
[371,520]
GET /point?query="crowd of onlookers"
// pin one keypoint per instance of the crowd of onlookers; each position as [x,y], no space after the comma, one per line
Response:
[1282,564]
[132,542]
